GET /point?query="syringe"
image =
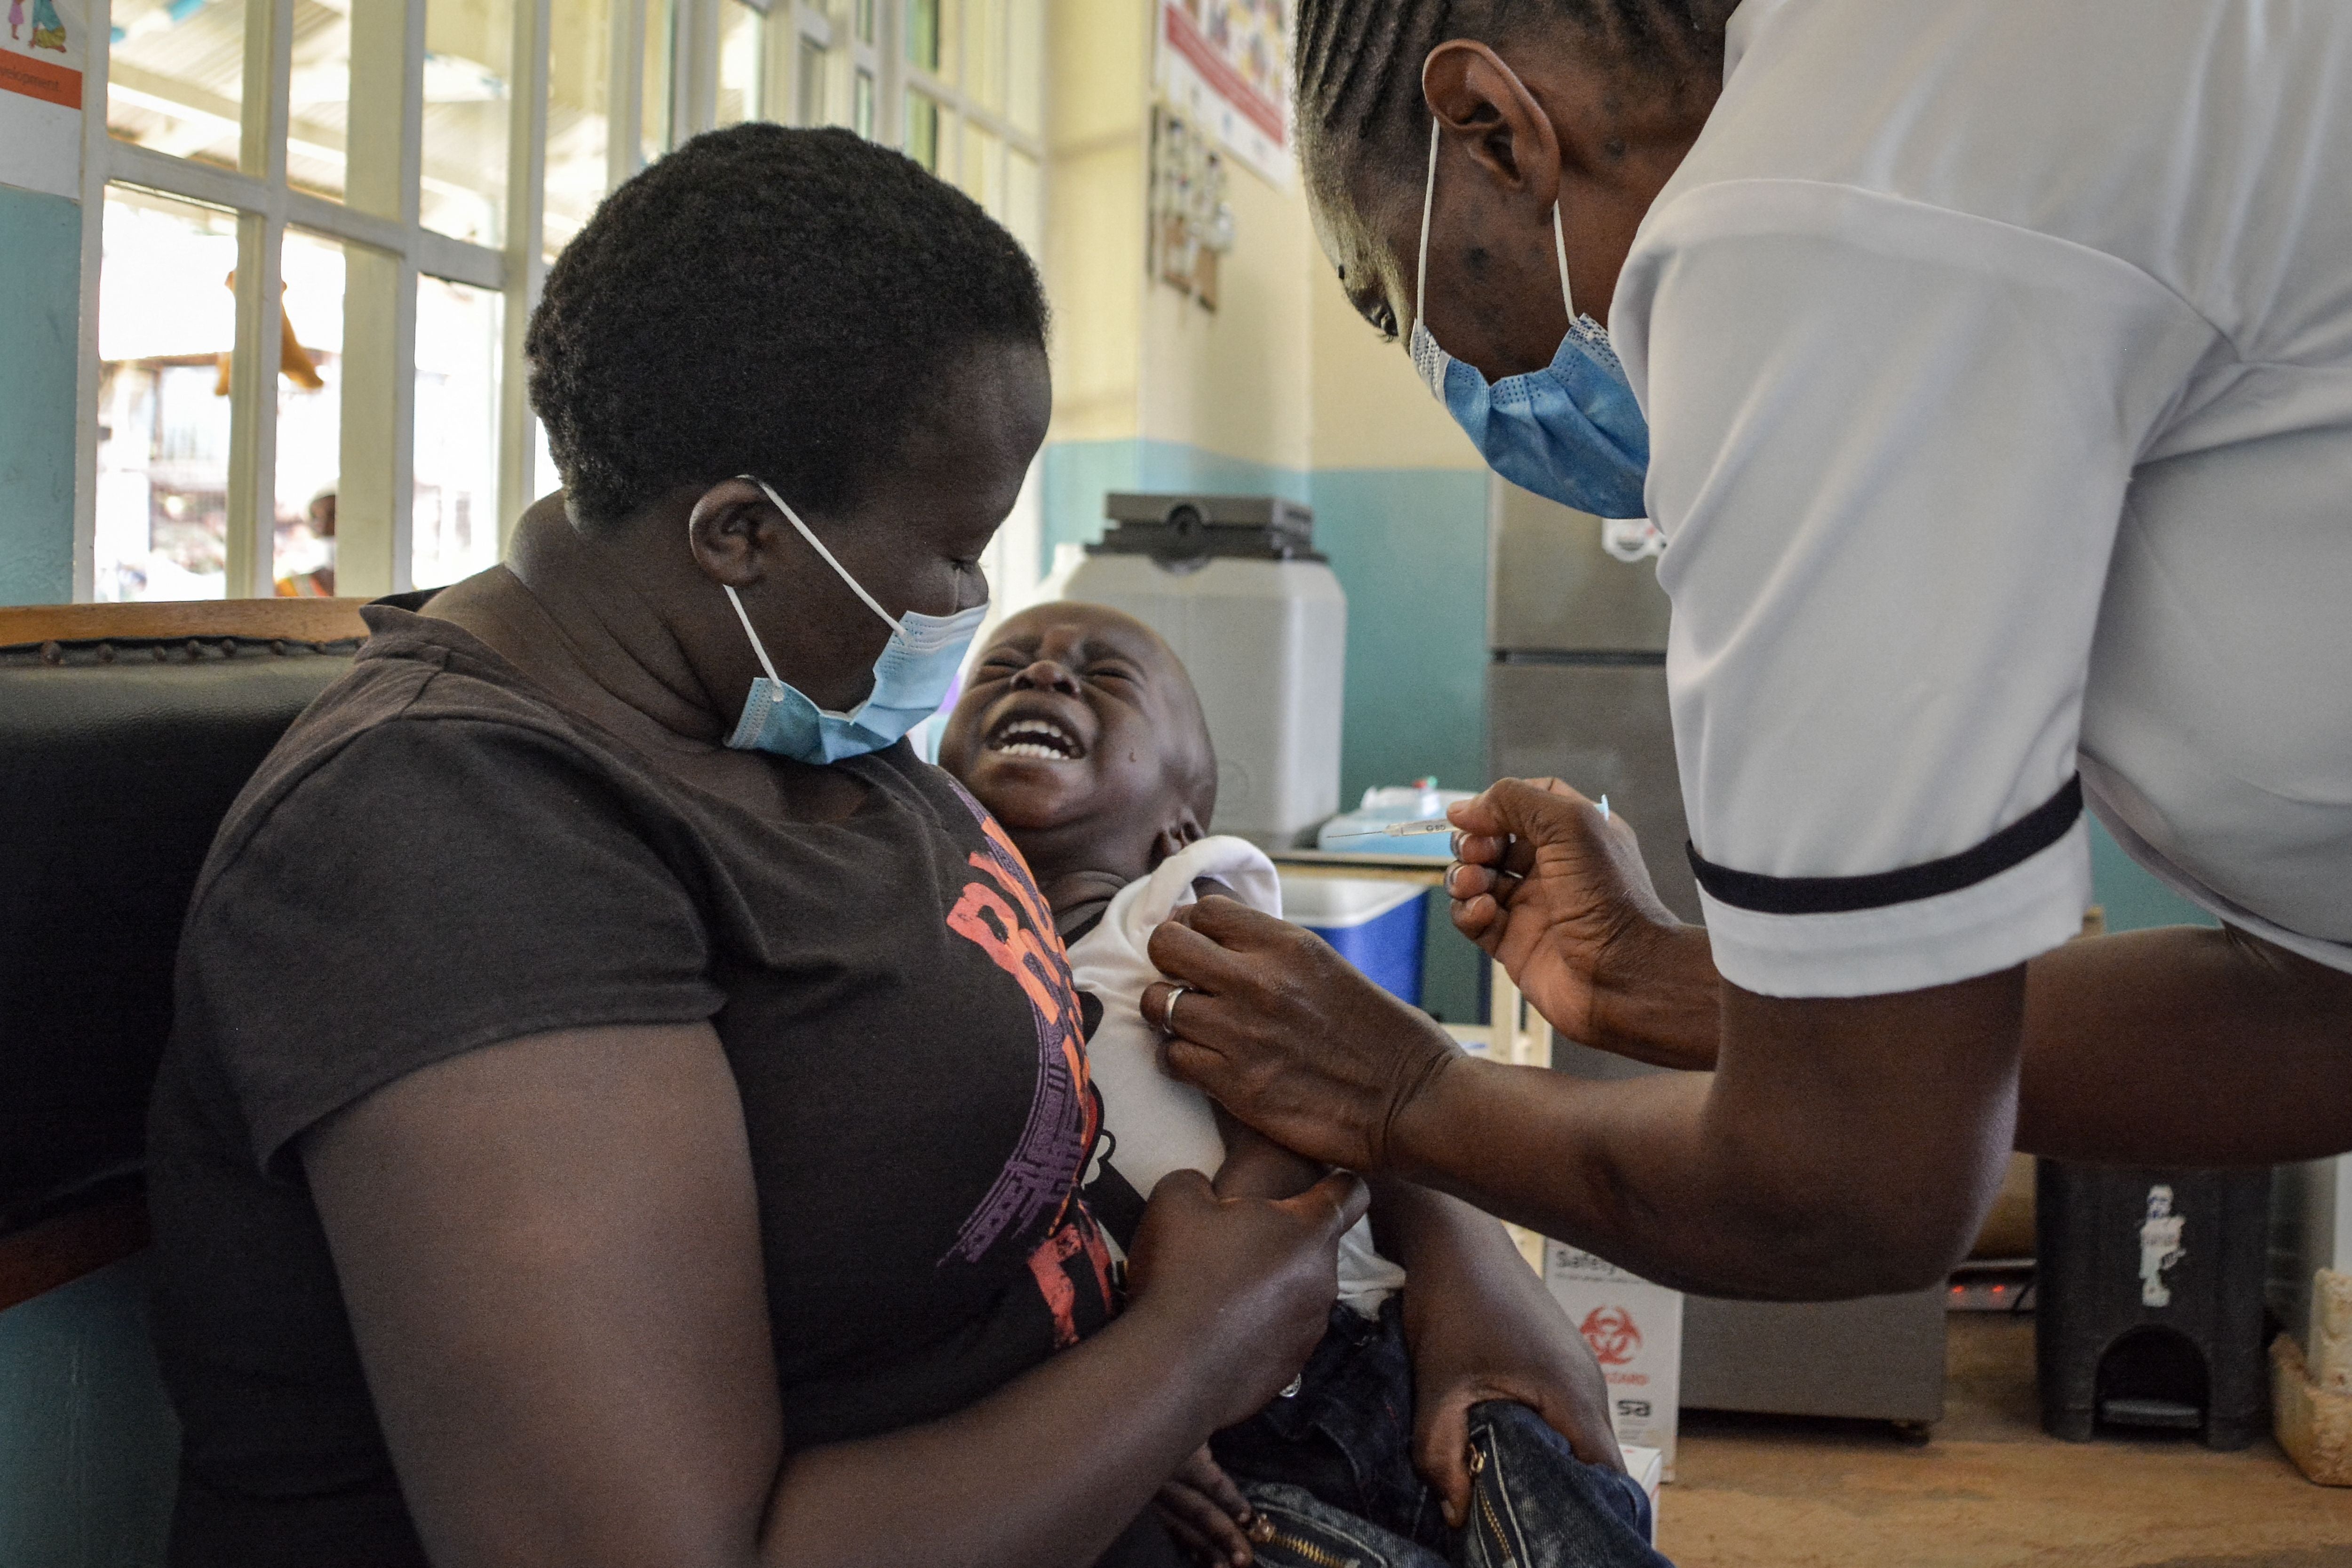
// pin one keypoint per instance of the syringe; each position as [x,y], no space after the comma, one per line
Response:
[1429,825]
[1402,829]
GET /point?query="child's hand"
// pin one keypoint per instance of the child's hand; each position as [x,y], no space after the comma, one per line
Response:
[1207,1513]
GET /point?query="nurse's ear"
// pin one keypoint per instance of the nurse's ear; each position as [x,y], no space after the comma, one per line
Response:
[1485,104]
[734,532]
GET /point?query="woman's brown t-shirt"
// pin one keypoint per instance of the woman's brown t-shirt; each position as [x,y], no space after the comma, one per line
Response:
[435,858]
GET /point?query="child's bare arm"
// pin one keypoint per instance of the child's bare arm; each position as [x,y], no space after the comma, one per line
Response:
[1256,1166]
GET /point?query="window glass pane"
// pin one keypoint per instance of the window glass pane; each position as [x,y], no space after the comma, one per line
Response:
[865,21]
[1025,202]
[576,123]
[319,97]
[923,33]
[983,53]
[167,323]
[455,521]
[309,414]
[923,131]
[467,46]
[739,30]
[861,116]
[176,77]
[982,172]
[808,84]
[1024,66]
[653,127]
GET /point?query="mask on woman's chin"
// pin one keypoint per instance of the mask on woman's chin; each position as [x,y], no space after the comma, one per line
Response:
[1570,432]
[912,677]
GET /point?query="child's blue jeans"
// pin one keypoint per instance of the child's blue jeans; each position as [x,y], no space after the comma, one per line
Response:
[1331,1470]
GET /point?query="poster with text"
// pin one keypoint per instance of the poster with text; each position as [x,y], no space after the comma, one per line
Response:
[41,59]
[1225,65]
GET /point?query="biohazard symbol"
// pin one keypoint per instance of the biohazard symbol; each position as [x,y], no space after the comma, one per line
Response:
[1611,1332]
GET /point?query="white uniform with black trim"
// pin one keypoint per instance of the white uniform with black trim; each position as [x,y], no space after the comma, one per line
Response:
[1156,1124]
[1998,358]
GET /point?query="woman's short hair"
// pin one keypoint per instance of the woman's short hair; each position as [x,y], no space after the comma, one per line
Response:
[1358,62]
[764,301]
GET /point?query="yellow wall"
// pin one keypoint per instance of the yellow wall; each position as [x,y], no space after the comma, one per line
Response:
[1283,373]
[1370,411]
[1238,381]
[1098,128]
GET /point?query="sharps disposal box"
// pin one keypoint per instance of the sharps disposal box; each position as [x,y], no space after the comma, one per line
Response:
[1235,585]
[1374,925]
[1635,1329]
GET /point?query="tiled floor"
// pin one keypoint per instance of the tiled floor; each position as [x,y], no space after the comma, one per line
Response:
[1987,1489]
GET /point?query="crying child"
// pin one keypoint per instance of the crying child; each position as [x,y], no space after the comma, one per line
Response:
[1082,734]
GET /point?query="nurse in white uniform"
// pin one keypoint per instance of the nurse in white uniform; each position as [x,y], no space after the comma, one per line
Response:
[1987,365]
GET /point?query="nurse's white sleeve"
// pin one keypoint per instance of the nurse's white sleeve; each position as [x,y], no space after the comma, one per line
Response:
[1889,445]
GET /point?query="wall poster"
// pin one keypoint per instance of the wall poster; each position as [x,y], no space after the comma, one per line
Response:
[1225,65]
[41,58]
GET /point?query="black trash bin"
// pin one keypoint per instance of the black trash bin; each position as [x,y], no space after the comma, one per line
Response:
[2149,1299]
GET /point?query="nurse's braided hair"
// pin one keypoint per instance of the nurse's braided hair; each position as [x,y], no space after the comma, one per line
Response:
[1358,62]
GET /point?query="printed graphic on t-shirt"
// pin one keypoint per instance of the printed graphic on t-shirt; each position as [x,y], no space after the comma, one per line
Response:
[1001,913]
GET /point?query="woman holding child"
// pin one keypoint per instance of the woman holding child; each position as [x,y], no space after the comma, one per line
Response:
[686,1166]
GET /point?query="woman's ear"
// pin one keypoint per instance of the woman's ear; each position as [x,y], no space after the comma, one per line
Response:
[732,531]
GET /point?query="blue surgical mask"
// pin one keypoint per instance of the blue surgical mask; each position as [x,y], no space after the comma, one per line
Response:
[911,677]
[1570,431]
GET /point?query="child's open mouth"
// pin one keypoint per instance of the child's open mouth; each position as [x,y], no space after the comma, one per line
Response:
[1039,738]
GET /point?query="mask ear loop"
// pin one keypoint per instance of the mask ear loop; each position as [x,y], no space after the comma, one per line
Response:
[1420,266]
[757,645]
[1429,196]
[1559,248]
[818,545]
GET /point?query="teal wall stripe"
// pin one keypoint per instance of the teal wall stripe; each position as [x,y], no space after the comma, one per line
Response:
[88,1446]
[40,285]
[2133,899]
[1410,547]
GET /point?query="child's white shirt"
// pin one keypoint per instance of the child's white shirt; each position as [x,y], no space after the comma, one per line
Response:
[1157,1124]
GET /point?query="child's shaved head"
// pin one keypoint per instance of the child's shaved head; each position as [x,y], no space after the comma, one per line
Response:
[1082,732]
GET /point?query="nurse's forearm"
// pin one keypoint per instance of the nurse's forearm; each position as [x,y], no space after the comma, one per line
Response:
[1842,1148]
[2185,1045]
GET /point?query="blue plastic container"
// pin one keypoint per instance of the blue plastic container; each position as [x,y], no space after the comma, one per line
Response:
[1375,924]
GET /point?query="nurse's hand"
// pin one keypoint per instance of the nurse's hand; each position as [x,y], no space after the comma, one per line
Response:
[1288,1035]
[1559,894]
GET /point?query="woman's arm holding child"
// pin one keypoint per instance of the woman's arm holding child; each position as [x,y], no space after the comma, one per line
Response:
[550,1250]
